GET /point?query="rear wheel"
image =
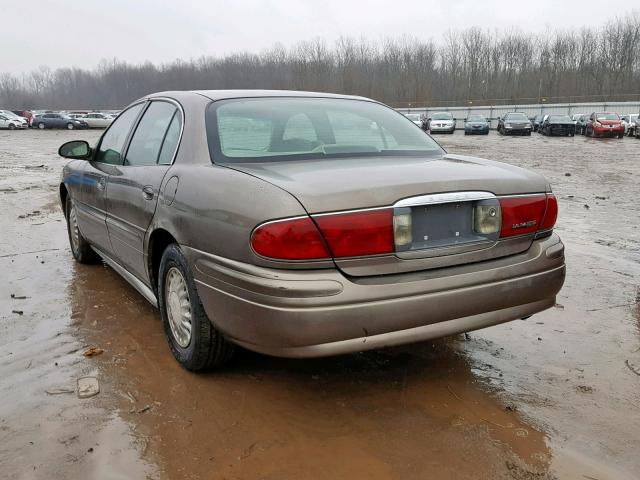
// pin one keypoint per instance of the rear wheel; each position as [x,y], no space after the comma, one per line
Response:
[194,341]
[80,248]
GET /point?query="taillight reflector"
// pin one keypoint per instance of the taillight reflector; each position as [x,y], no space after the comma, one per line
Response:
[292,239]
[368,232]
[551,214]
[526,214]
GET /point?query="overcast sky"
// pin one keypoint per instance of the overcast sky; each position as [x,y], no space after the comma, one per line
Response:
[82,32]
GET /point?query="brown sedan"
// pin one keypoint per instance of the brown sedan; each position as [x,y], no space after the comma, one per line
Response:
[302,224]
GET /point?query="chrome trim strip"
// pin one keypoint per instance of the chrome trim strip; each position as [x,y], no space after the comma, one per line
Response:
[437,198]
[142,289]
[356,210]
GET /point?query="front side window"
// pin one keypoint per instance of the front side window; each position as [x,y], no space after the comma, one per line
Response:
[284,128]
[144,148]
[110,149]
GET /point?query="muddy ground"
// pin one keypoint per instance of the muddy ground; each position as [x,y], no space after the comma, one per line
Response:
[551,397]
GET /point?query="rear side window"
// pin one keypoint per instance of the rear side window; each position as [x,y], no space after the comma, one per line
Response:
[146,142]
[110,150]
[171,139]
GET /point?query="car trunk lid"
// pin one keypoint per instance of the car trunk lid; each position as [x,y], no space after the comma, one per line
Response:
[444,235]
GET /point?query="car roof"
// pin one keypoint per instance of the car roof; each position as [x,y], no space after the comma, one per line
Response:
[229,94]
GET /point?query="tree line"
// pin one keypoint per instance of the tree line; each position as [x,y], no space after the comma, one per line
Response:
[469,66]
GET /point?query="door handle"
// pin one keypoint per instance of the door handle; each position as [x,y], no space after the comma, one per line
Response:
[147,192]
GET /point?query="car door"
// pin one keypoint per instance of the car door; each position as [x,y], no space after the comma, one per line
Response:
[4,122]
[91,203]
[132,191]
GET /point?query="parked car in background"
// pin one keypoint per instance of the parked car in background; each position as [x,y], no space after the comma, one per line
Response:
[442,122]
[580,122]
[415,118]
[633,124]
[536,122]
[10,123]
[97,120]
[18,119]
[514,123]
[604,124]
[476,125]
[58,120]
[254,242]
[28,115]
[558,125]
[76,115]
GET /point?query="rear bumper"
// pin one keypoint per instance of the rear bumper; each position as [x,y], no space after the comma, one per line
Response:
[322,312]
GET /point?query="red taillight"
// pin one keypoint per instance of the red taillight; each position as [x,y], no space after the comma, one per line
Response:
[353,234]
[527,214]
[294,239]
[551,214]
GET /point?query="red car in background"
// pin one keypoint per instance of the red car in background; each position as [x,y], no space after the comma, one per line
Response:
[604,124]
[26,114]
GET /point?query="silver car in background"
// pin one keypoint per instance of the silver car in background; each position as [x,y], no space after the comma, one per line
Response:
[302,224]
[442,122]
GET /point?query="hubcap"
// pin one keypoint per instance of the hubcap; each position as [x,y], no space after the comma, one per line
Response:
[178,306]
[73,229]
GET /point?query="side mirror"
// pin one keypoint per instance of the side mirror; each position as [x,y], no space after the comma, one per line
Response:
[75,149]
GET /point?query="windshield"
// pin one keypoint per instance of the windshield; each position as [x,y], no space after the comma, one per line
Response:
[285,128]
[476,118]
[607,116]
[442,116]
[414,117]
[559,118]
[516,117]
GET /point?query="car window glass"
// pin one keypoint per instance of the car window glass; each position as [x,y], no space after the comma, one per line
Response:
[242,133]
[171,140]
[309,128]
[112,143]
[147,139]
[300,127]
[352,129]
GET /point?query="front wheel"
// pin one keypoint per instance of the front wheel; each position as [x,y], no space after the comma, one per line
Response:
[193,340]
[69,126]
[80,248]
[41,126]
[12,126]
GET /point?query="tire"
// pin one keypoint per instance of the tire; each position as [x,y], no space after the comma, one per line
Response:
[41,126]
[12,126]
[199,346]
[80,248]
[70,126]
[528,134]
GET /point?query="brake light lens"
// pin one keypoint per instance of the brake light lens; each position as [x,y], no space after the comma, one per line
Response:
[290,239]
[522,215]
[354,234]
[551,213]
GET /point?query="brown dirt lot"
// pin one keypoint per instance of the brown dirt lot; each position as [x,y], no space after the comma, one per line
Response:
[551,397]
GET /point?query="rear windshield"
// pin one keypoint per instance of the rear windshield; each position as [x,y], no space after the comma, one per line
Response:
[442,116]
[607,116]
[516,116]
[285,128]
